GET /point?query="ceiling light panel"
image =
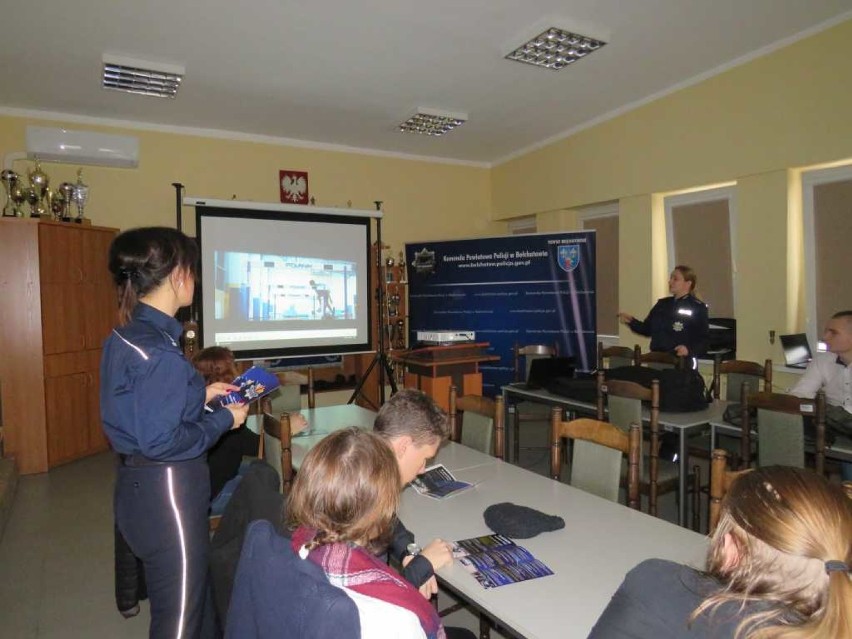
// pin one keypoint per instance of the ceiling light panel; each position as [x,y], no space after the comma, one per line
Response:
[432,122]
[141,77]
[555,49]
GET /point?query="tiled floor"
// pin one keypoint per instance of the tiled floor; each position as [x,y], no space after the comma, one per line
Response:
[56,556]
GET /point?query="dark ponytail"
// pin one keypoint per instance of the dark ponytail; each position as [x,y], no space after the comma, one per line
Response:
[141,259]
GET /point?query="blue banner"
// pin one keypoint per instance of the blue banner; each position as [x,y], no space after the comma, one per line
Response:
[524,289]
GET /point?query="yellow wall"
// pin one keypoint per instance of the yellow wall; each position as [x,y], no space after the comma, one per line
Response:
[422,200]
[753,125]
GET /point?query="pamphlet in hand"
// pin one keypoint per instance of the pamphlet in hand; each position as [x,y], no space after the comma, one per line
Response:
[496,560]
[438,482]
[254,384]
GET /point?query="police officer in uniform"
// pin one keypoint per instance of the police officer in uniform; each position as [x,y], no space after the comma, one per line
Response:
[153,412]
[677,324]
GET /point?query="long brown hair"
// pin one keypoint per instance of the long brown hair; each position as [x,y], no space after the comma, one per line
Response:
[786,524]
[141,259]
[347,490]
[216,364]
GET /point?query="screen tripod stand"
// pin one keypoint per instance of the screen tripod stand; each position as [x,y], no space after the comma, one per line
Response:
[380,359]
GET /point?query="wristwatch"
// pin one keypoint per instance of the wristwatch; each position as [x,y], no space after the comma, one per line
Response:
[413,549]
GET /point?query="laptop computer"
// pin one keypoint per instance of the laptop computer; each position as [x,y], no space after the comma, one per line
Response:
[797,351]
[544,370]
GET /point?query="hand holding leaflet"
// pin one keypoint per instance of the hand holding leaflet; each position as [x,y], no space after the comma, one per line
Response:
[253,384]
[438,483]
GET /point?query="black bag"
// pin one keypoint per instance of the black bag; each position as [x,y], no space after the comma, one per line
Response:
[580,389]
[681,391]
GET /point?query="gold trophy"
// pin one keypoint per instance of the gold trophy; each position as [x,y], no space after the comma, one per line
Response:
[389,268]
[10,183]
[39,183]
[67,191]
[80,196]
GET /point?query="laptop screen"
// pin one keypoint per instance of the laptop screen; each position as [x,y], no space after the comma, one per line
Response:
[796,349]
[545,369]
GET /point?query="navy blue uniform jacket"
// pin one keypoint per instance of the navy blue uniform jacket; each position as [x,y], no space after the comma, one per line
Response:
[673,322]
[152,399]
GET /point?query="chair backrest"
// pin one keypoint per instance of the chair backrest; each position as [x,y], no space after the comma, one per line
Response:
[277,447]
[528,354]
[720,482]
[620,402]
[597,455]
[617,356]
[654,359]
[780,428]
[478,422]
[736,372]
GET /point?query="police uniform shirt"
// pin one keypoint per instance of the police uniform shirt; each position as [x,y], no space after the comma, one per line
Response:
[673,322]
[152,398]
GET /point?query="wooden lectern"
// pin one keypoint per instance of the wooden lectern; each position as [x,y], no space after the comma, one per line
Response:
[435,368]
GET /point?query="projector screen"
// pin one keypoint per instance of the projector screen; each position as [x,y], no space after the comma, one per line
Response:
[283,282]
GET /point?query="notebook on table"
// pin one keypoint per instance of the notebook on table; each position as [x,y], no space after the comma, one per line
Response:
[797,351]
[544,370]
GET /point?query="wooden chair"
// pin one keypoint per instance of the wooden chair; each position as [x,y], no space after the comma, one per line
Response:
[477,422]
[654,359]
[597,456]
[720,482]
[736,373]
[616,356]
[621,403]
[528,411]
[780,428]
[278,451]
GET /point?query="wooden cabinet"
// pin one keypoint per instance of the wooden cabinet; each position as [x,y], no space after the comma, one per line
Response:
[59,305]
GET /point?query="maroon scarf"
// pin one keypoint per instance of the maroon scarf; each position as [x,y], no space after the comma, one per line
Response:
[353,567]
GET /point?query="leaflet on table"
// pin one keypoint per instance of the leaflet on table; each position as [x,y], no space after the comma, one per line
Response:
[438,482]
[253,384]
[496,560]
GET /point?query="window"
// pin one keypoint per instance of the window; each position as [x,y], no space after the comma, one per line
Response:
[603,219]
[827,216]
[523,225]
[699,235]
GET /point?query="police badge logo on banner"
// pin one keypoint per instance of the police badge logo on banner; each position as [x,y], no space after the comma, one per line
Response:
[568,257]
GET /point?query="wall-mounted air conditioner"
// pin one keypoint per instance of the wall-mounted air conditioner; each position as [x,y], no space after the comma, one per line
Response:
[82,147]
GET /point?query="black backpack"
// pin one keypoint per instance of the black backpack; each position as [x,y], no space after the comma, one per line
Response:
[681,391]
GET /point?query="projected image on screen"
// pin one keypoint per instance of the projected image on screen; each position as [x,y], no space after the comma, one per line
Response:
[258,287]
[280,284]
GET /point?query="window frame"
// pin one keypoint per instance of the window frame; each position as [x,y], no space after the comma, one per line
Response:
[608,209]
[810,179]
[714,194]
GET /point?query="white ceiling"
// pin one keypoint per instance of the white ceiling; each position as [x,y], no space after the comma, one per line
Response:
[347,73]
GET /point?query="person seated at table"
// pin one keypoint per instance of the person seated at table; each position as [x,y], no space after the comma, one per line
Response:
[677,324]
[217,364]
[342,507]
[832,372]
[778,566]
[414,426]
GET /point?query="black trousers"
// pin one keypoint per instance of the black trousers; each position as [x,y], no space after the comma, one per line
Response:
[161,510]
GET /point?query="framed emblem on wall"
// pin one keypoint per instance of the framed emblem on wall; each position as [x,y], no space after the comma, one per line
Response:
[293,186]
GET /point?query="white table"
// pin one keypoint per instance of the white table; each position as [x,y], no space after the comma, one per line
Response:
[684,424]
[601,541]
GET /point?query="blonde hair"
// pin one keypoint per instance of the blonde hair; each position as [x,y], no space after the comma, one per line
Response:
[688,275]
[347,489]
[786,524]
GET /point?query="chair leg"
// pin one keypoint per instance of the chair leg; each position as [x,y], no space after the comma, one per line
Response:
[517,443]
[484,627]
[696,497]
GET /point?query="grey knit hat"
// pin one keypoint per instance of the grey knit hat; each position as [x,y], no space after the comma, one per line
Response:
[520,522]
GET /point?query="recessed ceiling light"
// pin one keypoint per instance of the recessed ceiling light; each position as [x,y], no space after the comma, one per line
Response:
[555,49]
[432,122]
[141,77]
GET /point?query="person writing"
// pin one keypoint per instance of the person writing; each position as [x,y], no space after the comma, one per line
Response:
[778,567]
[832,372]
[676,324]
[153,413]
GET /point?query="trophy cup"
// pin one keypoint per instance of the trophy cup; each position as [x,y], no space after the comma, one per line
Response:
[39,181]
[10,183]
[401,263]
[57,205]
[18,199]
[80,196]
[67,191]
[389,269]
[32,195]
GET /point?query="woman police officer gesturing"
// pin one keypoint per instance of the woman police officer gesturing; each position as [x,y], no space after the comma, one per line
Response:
[677,324]
[153,412]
